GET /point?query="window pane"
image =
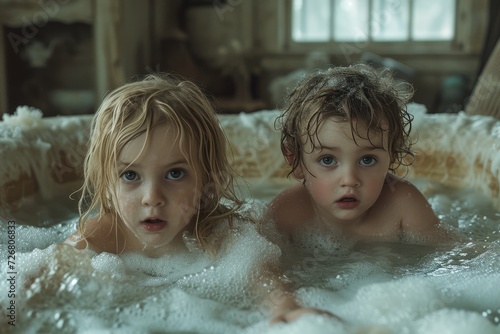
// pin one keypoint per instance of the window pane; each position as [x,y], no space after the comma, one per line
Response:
[390,20]
[311,20]
[350,21]
[433,20]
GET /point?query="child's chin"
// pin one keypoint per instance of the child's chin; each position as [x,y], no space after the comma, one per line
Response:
[154,242]
[157,244]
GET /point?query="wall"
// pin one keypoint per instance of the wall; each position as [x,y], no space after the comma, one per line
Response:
[259,27]
[233,48]
[62,56]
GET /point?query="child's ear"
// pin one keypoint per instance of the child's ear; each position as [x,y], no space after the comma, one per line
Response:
[299,172]
[290,159]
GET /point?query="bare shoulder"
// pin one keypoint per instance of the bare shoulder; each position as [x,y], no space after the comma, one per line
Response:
[95,235]
[77,241]
[417,216]
[291,208]
[404,197]
[403,189]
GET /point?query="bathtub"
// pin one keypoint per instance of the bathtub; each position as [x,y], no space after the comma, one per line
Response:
[384,288]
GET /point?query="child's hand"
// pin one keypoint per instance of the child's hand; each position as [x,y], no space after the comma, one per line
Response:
[293,314]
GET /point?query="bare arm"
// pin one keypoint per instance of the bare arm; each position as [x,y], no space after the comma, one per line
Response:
[280,298]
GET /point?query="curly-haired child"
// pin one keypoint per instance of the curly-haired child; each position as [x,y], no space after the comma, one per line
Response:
[344,132]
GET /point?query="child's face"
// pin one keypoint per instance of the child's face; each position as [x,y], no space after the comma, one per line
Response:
[344,177]
[157,194]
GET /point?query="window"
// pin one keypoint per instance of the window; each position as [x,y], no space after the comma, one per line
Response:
[385,22]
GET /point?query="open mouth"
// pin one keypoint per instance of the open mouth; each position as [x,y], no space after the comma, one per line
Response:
[153,221]
[153,225]
[348,199]
[348,202]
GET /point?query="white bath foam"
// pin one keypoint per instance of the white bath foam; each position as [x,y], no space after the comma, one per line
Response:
[389,303]
[82,297]
[236,278]
[152,271]
[88,298]
[309,323]
[454,322]
[50,281]
[37,227]
[34,249]
[132,292]
[41,237]
[25,116]
[108,263]
[473,285]
[175,310]
[26,265]
[218,295]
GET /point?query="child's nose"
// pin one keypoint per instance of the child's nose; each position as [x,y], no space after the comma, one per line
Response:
[153,196]
[350,178]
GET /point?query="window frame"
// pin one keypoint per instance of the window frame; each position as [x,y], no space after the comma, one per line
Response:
[461,43]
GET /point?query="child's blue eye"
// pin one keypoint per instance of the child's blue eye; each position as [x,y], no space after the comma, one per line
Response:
[129,176]
[175,174]
[368,161]
[327,161]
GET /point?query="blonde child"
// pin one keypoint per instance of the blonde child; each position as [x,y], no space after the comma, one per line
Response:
[344,132]
[156,176]
[156,167]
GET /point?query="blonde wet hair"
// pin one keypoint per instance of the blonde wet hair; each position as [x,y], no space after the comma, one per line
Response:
[369,99]
[138,107]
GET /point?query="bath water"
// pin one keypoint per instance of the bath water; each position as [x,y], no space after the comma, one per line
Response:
[374,288]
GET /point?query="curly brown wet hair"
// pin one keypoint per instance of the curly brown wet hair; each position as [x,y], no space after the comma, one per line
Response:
[369,99]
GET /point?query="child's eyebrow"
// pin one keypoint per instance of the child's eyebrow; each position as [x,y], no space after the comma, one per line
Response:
[123,164]
[364,148]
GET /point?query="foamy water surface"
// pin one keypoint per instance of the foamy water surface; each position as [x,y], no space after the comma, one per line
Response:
[374,288]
